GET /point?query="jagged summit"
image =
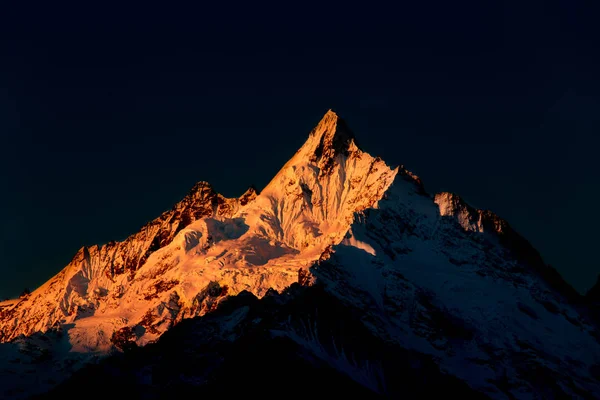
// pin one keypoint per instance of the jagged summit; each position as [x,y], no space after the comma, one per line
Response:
[331,142]
[249,195]
[468,217]
[203,191]
[201,186]
[316,193]
[332,131]
[330,138]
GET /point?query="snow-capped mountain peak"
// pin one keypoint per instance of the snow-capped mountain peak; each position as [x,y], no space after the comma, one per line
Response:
[429,275]
[331,137]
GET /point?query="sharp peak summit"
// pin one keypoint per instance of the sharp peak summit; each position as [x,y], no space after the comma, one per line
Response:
[332,131]
[328,139]
[331,136]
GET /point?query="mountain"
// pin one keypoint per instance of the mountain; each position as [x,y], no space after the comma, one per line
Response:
[341,273]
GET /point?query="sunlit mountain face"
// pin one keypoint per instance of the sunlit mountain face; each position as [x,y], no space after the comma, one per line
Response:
[342,276]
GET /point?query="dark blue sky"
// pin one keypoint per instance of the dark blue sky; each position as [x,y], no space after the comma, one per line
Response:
[109,116]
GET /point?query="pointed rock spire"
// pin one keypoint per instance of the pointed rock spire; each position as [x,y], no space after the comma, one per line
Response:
[331,136]
[201,187]
[248,195]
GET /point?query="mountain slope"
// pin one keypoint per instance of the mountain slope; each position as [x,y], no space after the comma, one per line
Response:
[452,291]
[303,342]
[445,285]
[98,276]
